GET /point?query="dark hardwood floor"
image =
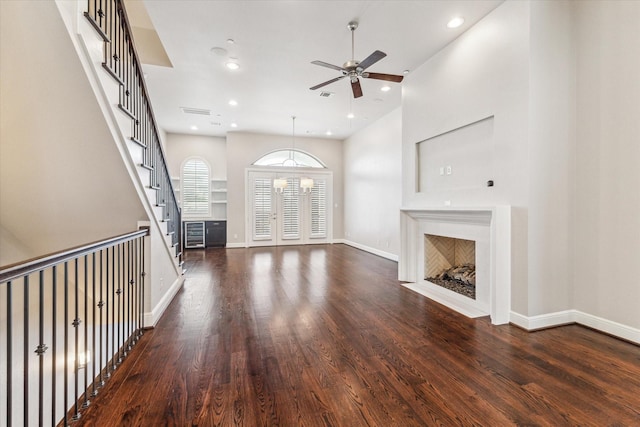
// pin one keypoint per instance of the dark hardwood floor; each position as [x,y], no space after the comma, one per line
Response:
[326,336]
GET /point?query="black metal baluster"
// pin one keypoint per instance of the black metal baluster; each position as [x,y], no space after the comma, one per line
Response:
[25,354]
[86,332]
[76,363]
[66,342]
[142,286]
[113,312]
[121,303]
[94,374]
[128,297]
[135,290]
[54,338]
[108,304]
[132,298]
[118,292]
[9,354]
[102,323]
[40,350]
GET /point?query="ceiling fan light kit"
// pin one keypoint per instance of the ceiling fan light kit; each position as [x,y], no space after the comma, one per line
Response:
[355,69]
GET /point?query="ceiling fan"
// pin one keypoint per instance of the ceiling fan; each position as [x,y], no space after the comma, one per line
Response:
[355,69]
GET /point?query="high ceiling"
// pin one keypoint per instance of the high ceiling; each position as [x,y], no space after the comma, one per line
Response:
[274,44]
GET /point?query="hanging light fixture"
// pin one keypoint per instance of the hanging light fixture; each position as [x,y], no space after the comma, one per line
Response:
[306,184]
[279,184]
[291,161]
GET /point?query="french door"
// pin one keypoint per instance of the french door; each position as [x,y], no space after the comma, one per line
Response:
[291,216]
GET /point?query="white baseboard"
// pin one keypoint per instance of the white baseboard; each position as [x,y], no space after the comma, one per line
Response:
[560,318]
[383,254]
[150,319]
[543,321]
[236,245]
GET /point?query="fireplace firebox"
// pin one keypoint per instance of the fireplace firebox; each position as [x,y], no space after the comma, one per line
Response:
[451,263]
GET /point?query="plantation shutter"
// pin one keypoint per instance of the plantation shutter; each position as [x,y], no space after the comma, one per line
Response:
[262,209]
[195,188]
[291,209]
[319,209]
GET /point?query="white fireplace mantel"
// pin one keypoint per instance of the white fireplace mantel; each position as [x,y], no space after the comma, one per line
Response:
[497,220]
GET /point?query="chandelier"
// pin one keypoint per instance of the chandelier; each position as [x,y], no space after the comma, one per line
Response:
[279,184]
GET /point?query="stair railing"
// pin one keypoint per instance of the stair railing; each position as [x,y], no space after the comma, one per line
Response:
[68,320]
[121,61]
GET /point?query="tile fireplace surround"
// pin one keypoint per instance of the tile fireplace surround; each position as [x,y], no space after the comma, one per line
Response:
[489,227]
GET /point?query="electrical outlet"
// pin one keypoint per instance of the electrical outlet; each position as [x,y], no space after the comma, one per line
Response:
[449,171]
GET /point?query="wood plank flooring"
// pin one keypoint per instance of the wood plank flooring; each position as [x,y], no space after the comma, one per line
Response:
[326,336]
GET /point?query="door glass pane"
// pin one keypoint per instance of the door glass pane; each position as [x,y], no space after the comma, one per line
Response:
[319,209]
[262,208]
[291,209]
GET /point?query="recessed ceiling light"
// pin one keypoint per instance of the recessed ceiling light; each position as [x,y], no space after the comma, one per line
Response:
[233,102]
[385,88]
[455,22]
[194,127]
[232,65]
[234,125]
[329,133]
[350,116]
[231,41]
[220,51]
[405,72]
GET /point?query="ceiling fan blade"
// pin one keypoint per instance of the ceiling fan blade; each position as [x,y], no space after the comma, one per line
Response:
[387,77]
[357,89]
[371,59]
[325,64]
[327,82]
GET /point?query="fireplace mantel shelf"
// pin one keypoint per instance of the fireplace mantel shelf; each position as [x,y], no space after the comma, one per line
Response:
[460,214]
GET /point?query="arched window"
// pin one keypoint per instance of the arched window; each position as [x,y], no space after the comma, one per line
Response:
[195,188]
[289,158]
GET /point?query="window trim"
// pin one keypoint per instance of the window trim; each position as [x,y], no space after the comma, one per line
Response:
[287,150]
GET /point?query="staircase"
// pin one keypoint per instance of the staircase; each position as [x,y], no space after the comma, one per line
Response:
[129,103]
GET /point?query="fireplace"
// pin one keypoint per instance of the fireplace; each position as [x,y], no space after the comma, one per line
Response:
[450,262]
[436,239]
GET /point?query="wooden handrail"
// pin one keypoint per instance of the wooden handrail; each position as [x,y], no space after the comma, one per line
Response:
[24,268]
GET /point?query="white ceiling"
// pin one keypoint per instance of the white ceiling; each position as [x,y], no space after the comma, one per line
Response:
[275,42]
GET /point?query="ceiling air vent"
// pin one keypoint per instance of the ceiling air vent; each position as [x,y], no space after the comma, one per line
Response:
[198,111]
[326,94]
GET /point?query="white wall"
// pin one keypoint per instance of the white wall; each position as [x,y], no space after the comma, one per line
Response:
[561,81]
[12,250]
[551,151]
[607,184]
[245,148]
[62,179]
[373,186]
[180,147]
[483,73]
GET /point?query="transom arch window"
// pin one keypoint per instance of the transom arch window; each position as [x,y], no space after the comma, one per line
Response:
[195,188]
[290,158]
